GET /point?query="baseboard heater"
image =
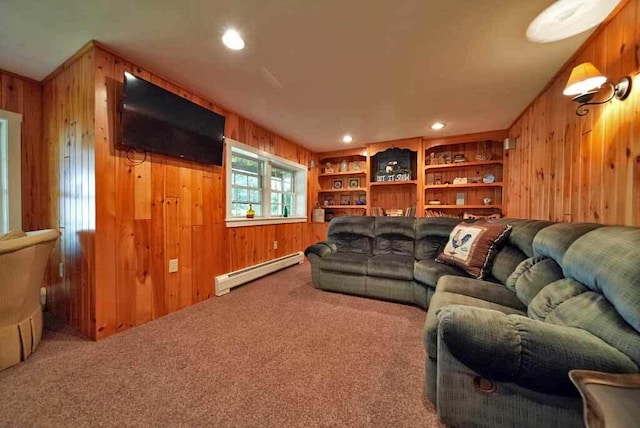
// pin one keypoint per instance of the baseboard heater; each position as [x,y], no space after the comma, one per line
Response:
[226,282]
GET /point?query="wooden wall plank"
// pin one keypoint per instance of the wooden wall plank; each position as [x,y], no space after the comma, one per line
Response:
[584,168]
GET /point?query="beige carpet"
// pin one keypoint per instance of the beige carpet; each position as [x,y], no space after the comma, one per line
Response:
[276,352]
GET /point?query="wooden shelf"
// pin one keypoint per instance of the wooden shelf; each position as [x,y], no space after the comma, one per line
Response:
[364,207]
[392,183]
[462,186]
[333,174]
[347,190]
[465,164]
[453,207]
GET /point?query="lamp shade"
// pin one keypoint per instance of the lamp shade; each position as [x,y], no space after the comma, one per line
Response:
[584,78]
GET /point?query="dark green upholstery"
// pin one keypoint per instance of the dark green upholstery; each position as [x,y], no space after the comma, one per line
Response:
[529,353]
[431,235]
[391,266]
[532,275]
[580,295]
[429,271]
[345,262]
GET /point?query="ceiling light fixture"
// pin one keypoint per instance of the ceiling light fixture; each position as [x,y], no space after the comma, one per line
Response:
[438,125]
[233,40]
[566,18]
[347,139]
[586,81]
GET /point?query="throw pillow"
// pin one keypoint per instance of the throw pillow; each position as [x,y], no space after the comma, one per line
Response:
[472,246]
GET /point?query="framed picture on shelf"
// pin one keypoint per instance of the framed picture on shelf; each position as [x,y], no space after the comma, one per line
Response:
[354,183]
[337,183]
[345,199]
[328,200]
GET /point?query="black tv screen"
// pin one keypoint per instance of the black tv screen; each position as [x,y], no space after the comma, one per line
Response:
[155,120]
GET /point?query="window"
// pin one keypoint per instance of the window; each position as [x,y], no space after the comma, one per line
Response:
[10,181]
[269,184]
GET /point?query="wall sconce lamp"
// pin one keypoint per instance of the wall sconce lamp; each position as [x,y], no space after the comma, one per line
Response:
[586,81]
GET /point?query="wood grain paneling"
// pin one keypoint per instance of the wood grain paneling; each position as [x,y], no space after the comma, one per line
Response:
[147,209]
[571,168]
[68,133]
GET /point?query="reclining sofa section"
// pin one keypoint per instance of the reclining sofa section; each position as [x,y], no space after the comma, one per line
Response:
[561,296]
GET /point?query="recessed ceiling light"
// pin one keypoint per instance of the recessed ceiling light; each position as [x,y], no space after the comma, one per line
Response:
[438,125]
[566,18]
[233,40]
[347,139]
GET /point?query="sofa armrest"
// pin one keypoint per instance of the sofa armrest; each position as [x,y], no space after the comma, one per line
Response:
[321,249]
[530,353]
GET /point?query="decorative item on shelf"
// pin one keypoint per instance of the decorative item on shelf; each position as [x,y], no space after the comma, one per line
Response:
[362,199]
[431,159]
[460,180]
[285,212]
[337,183]
[410,212]
[344,166]
[328,200]
[437,178]
[328,168]
[434,202]
[482,153]
[250,212]
[487,200]
[317,215]
[394,174]
[395,213]
[345,199]
[585,83]
[460,198]
[459,158]
[488,178]
[475,179]
[355,166]
[447,157]
[354,183]
[377,212]
[434,213]
[470,216]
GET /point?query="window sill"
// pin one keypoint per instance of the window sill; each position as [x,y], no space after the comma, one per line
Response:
[260,221]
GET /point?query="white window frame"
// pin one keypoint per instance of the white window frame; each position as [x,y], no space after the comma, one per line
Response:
[10,171]
[269,160]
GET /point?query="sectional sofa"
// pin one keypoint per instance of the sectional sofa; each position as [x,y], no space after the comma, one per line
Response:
[559,296]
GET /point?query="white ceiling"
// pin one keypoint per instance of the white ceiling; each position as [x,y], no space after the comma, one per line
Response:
[313,70]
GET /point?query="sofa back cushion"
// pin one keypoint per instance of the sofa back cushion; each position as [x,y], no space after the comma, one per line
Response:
[394,235]
[517,247]
[352,234]
[607,261]
[532,275]
[431,235]
[555,240]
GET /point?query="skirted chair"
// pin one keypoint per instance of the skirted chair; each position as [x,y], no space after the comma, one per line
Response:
[23,259]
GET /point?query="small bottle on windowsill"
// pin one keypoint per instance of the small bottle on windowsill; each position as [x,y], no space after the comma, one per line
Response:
[250,212]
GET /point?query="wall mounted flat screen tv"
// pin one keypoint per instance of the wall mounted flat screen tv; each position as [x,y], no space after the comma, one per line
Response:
[155,120]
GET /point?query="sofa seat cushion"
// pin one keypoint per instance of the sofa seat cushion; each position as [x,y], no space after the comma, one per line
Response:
[445,298]
[429,272]
[489,291]
[345,262]
[391,266]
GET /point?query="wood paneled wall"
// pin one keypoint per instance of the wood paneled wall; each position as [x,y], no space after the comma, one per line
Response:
[68,99]
[21,95]
[571,168]
[146,210]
